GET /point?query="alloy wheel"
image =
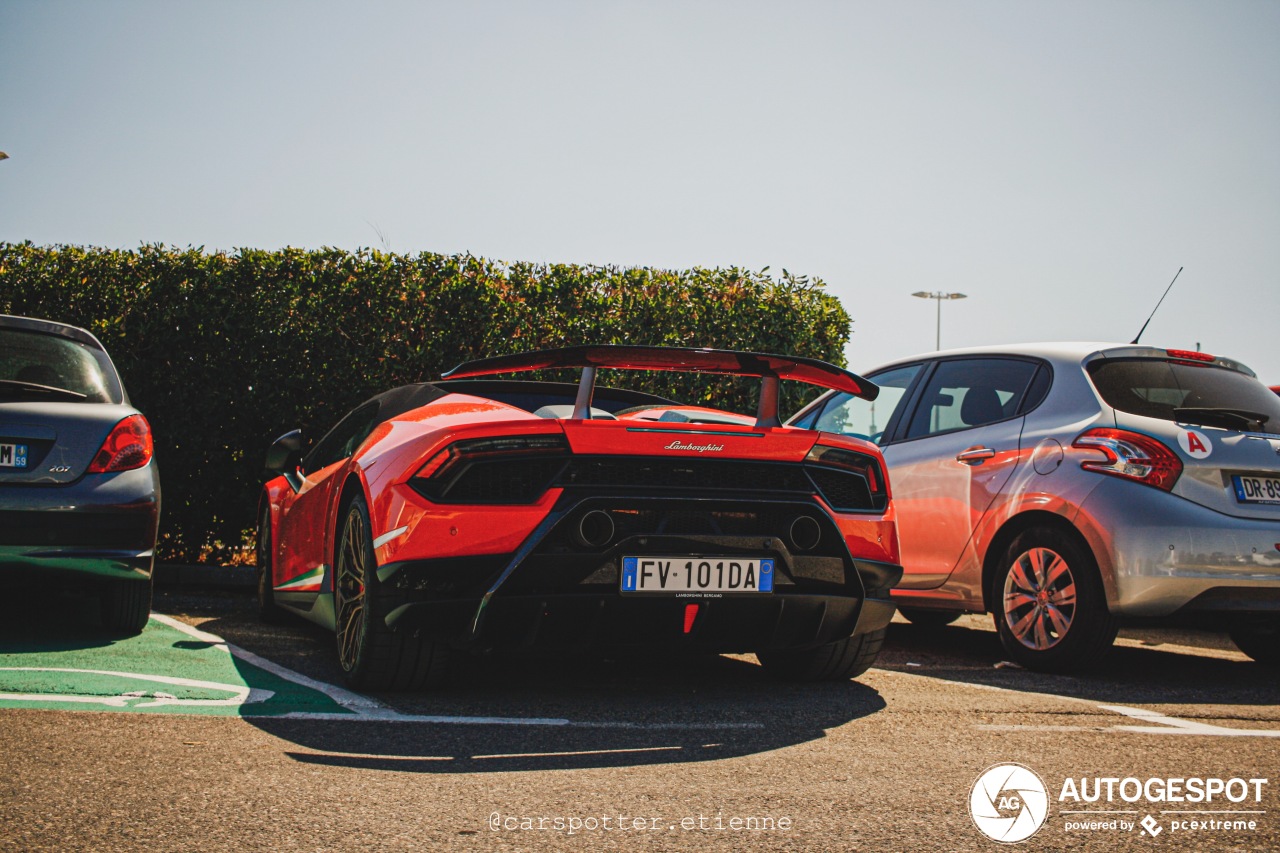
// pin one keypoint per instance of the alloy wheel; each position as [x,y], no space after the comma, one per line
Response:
[1039,598]
[350,587]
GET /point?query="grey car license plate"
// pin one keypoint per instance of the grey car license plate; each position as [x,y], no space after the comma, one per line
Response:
[1256,490]
[13,455]
[697,574]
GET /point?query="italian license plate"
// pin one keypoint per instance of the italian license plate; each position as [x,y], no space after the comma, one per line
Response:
[697,574]
[1256,490]
[13,456]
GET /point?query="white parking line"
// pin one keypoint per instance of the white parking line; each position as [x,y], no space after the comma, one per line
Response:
[502,756]
[355,702]
[1164,724]
[1173,725]
[133,699]
[367,709]
[392,716]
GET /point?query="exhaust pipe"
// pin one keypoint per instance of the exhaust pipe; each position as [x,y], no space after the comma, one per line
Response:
[805,533]
[595,529]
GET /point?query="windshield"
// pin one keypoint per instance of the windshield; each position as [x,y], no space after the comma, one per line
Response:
[1202,394]
[31,363]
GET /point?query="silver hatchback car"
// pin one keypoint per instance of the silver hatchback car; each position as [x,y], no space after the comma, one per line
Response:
[1066,487]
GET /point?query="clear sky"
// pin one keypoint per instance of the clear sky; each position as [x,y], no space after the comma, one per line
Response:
[1056,161]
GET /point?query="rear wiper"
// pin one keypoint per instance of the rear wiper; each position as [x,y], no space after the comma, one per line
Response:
[1230,418]
[14,388]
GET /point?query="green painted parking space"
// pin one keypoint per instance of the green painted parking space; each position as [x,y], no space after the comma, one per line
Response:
[170,668]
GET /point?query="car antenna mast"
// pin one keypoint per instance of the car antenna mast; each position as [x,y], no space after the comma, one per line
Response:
[1157,308]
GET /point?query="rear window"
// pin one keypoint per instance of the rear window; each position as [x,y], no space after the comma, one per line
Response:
[1187,393]
[36,359]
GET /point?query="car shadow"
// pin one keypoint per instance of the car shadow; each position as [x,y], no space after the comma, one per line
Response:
[1171,667]
[47,617]
[537,711]
[678,711]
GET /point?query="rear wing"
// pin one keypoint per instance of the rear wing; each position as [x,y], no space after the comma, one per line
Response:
[770,368]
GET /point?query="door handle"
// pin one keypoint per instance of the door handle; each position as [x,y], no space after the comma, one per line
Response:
[975,455]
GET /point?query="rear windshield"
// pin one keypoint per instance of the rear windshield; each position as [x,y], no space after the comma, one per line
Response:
[1187,393]
[32,362]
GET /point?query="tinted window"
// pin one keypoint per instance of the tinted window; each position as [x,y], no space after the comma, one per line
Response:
[1187,393]
[970,392]
[55,362]
[342,441]
[849,415]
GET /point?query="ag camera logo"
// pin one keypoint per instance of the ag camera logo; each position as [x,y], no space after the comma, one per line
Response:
[1009,803]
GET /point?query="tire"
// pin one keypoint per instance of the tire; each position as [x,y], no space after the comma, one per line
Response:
[126,606]
[927,618]
[268,611]
[1259,640]
[1050,607]
[372,656]
[838,661]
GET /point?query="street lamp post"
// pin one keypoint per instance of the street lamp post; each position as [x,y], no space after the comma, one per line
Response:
[939,296]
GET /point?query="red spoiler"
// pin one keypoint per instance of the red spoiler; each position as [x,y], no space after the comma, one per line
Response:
[680,359]
[770,368]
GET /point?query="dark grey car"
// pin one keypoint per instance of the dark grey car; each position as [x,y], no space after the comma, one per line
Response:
[79,488]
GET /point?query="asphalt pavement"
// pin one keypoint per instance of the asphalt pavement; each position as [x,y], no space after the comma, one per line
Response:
[251,744]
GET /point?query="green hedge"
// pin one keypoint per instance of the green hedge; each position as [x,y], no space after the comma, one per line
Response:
[223,352]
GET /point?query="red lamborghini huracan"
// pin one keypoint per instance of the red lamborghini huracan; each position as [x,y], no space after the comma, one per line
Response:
[472,513]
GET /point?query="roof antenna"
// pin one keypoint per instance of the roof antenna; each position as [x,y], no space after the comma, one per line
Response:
[1157,308]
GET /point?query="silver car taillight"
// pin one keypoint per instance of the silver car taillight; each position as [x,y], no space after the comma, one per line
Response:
[1131,455]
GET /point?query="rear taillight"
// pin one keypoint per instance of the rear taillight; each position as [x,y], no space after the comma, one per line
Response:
[515,469]
[868,467]
[128,446]
[1131,455]
[439,466]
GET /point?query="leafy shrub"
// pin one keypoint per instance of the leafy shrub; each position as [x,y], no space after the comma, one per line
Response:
[225,351]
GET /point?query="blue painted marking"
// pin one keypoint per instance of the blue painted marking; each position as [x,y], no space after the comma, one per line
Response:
[766,575]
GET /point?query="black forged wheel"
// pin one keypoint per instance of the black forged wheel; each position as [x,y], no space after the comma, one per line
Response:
[1259,640]
[927,618]
[126,606]
[838,661]
[268,610]
[1050,607]
[372,656]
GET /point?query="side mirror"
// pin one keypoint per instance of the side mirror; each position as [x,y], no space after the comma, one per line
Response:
[285,454]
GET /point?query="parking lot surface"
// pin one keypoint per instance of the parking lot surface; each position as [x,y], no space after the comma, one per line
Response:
[211,731]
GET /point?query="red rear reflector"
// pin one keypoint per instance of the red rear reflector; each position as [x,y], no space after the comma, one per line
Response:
[690,614]
[128,446]
[1188,355]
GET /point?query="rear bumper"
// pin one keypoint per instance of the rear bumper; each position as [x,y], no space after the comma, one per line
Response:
[608,619]
[557,590]
[103,525]
[1163,554]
